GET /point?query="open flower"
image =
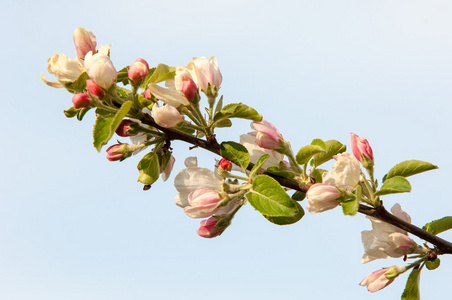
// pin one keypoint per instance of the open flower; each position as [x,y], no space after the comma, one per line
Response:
[386,240]
[65,69]
[203,203]
[166,116]
[193,178]
[345,173]
[249,141]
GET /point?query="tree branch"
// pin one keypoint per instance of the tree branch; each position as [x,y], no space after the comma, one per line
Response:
[443,246]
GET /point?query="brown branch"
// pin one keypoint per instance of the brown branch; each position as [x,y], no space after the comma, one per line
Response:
[443,246]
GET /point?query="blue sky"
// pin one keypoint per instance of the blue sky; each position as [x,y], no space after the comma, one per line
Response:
[76,226]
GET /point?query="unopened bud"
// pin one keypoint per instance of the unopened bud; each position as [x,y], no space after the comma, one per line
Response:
[94,89]
[189,88]
[81,100]
[124,127]
[225,164]
[138,71]
[84,41]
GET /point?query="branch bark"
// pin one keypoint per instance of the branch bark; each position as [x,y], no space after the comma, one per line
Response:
[443,246]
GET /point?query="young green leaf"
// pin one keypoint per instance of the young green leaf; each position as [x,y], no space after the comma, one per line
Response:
[259,163]
[438,226]
[106,126]
[432,265]
[237,110]
[123,76]
[287,220]
[71,112]
[78,85]
[409,168]
[235,153]
[270,199]
[162,73]
[317,175]
[283,173]
[298,196]
[81,112]
[305,154]
[219,105]
[149,168]
[332,147]
[411,291]
[351,207]
[394,185]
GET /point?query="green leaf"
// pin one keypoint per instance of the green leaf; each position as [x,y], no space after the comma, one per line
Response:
[81,112]
[394,185]
[438,226]
[223,123]
[259,163]
[162,73]
[105,126]
[123,93]
[270,199]
[237,110]
[149,168]
[432,265]
[235,153]
[71,112]
[123,76]
[317,175]
[298,196]
[332,147]
[305,154]
[78,85]
[219,105]
[283,173]
[411,291]
[144,85]
[145,102]
[287,220]
[350,208]
[408,168]
[319,142]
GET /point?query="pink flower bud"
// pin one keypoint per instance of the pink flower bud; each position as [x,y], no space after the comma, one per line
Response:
[84,41]
[202,203]
[267,136]
[166,116]
[189,88]
[225,164]
[147,94]
[124,127]
[361,148]
[138,71]
[81,100]
[376,281]
[94,89]
[208,228]
[116,152]
[322,197]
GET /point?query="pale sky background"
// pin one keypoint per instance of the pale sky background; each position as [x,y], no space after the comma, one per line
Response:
[75,226]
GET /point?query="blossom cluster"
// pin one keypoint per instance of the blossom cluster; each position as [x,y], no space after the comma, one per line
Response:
[164,104]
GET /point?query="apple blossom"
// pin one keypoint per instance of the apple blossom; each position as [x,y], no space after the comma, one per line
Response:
[84,41]
[189,88]
[248,140]
[169,96]
[166,116]
[361,148]
[138,71]
[100,69]
[94,89]
[322,197]
[267,136]
[203,202]
[81,100]
[345,173]
[207,72]
[377,280]
[193,178]
[65,69]
[386,240]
